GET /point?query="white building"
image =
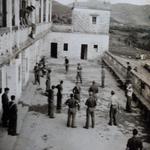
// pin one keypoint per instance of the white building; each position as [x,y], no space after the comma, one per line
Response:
[87,37]
[18,51]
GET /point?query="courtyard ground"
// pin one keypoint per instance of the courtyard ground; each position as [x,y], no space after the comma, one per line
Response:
[42,133]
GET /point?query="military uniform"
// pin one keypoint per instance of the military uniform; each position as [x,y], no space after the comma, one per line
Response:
[51,103]
[72,104]
[59,97]
[5,107]
[76,91]
[12,118]
[66,64]
[113,110]
[48,84]
[91,104]
[129,98]
[79,74]
[94,89]
[134,143]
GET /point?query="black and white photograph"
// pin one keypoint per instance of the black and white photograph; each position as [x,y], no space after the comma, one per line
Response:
[74,74]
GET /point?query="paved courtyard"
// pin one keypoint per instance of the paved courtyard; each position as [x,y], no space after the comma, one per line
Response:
[42,133]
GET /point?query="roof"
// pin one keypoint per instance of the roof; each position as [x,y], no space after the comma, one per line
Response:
[93,5]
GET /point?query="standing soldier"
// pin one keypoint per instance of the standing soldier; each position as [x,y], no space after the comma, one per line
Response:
[114,106]
[72,104]
[12,117]
[48,80]
[59,96]
[51,102]
[94,89]
[103,76]
[66,64]
[91,104]
[5,101]
[134,143]
[79,73]
[76,91]
[128,76]
[35,73]
[129,92]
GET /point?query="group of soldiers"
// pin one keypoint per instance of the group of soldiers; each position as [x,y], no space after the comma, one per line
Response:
[9,115]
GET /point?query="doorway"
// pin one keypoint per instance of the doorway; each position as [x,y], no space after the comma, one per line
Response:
[84,48]
[54,50]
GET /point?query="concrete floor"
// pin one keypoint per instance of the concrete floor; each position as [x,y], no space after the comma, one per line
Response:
[42,133]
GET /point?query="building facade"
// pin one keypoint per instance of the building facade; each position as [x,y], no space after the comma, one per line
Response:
[24,27]
[88,35]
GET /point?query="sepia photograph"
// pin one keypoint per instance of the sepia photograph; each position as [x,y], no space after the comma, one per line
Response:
[74,74]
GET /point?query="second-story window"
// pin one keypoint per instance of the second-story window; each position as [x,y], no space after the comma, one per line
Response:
[94,19]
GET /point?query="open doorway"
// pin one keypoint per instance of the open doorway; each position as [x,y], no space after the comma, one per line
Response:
[54,50]
[84,48]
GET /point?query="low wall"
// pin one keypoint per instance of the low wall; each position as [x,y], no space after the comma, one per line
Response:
[141,88]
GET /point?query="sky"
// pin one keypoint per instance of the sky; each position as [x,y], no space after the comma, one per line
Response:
[137,2]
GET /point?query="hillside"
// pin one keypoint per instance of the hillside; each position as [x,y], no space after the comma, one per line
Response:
[130,15]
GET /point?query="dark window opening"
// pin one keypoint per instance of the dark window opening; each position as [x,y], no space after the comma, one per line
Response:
[94,19]
[65,47]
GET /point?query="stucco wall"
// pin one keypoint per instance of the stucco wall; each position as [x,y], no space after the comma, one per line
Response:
[82,21]
[75,40]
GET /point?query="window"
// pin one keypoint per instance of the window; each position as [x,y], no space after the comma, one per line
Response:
[65,47]
[94,19]
[96,47]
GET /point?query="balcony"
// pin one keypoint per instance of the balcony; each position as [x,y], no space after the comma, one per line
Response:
[62,28]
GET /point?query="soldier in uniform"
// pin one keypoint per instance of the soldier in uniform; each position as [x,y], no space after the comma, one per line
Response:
[79,73]
[66,64]
[72,104]
[103,76]
[76,91]
[51,102]
[114,106]
[94,89]
[12,117]
[134,143]
[129,92]
[5,101]
[91,104]
[59,96]
[48,80]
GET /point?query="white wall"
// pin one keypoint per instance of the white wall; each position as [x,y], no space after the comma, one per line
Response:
[75,40]
[82,21]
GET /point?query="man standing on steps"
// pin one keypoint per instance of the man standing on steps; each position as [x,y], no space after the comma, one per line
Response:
[48,80]
[72,104]
[79,73]
[59,96]
[114,106]
[5,101]
[66,64]
[134,143]
[90,111]
[76,91]
[51,102]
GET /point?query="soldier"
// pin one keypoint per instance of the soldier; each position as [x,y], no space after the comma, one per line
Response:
[79,73]
[103,76]
[76,91]
[12,117]
[94,89]
[114,106]
[59,96]
[72,104]
[5,101]
[51,102]
[35,73]
[129,97]
[128,76]
[134,143]
[66,64]
[48,80]
[91,104]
